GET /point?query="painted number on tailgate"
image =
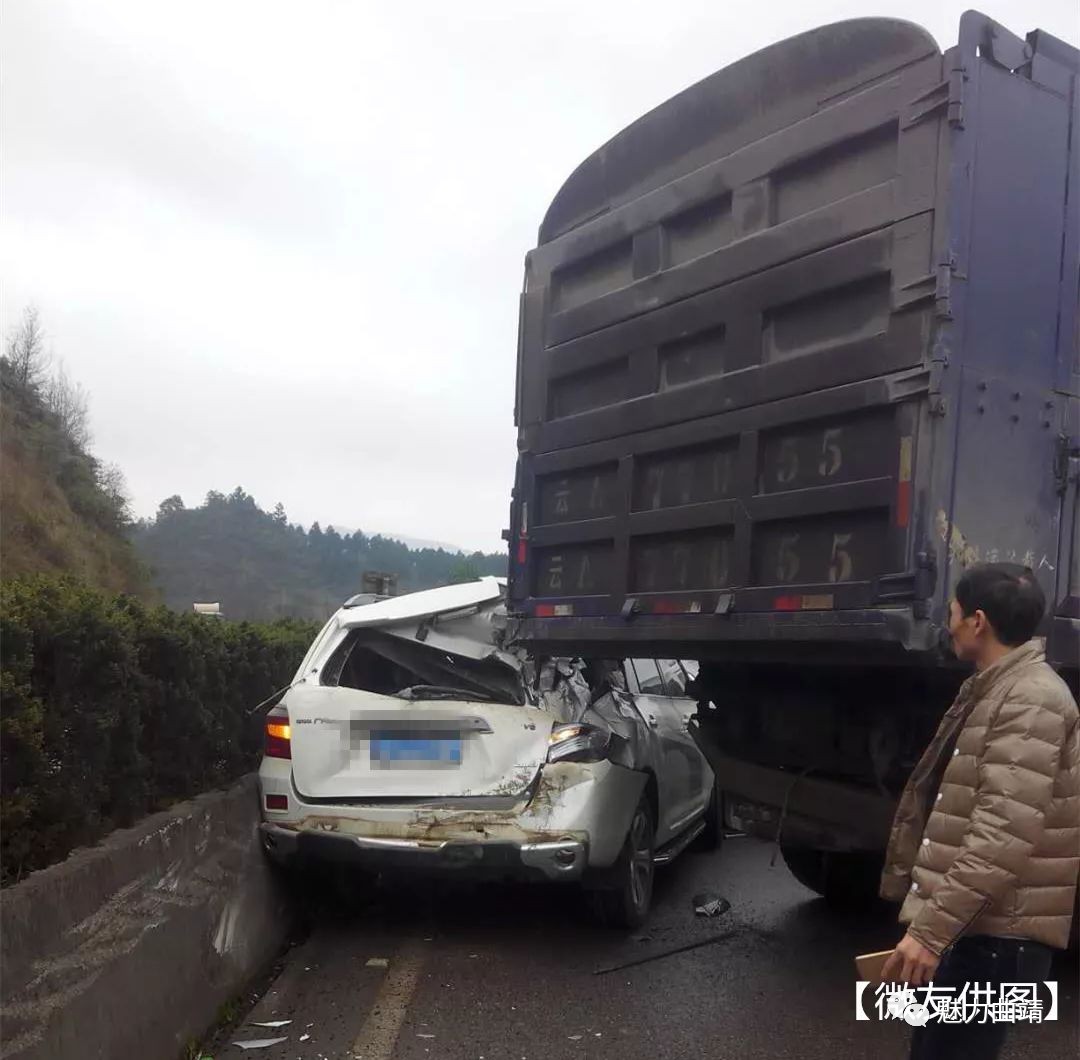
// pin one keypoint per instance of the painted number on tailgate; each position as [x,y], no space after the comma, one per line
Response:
[575,570]
[806,456]
[835,549]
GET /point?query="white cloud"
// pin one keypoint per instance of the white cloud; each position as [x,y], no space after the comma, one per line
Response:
[281,244]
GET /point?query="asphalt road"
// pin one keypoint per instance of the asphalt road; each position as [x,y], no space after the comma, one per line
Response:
[427,972]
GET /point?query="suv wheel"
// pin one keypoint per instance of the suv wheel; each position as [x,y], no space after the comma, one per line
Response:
[624,897]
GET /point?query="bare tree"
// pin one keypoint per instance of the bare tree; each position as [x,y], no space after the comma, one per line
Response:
[24,350]
[113,484]
[69,403]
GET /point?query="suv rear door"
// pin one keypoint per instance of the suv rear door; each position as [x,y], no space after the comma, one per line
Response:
[683,775]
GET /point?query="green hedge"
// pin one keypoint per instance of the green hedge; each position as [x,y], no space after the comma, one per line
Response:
[110,709]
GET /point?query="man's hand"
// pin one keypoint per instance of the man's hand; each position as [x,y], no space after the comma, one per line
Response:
[911,963]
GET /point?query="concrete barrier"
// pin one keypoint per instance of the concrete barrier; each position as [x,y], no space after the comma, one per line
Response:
[126,951]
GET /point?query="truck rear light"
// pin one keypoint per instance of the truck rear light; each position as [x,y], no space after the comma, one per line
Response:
[276,802]
[810,602]
[903,504]
[554,610]
[278,742]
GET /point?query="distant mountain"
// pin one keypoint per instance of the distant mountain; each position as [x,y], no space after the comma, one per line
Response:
[259,566]
[414,543]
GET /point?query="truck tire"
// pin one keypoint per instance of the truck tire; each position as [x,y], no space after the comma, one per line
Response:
[845,879]
[623,896]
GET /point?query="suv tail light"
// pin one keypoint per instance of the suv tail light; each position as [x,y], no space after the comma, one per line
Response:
[578,742]
[278,743]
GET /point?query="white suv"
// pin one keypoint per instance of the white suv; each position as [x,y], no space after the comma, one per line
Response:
[410,739]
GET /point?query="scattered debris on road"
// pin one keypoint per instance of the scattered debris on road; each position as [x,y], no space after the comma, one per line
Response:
[710,905]
[665,953]
[260,1043]
[271,1023]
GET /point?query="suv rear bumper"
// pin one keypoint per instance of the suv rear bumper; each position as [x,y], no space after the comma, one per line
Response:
[563,859]
[579,807]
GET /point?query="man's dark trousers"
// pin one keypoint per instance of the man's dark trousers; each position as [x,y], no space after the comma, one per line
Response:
[979,959]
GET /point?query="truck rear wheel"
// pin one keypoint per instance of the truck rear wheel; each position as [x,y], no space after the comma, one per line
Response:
[845,879]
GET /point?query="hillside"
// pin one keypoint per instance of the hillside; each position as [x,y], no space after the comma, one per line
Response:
[64,512]
[258,566]
[59,514]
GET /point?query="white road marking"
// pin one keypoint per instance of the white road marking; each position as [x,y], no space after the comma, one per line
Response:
[380,1031]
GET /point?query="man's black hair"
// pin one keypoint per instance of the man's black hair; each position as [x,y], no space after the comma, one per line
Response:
[1008,595]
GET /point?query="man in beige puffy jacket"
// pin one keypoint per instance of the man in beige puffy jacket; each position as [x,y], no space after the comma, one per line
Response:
[985,844]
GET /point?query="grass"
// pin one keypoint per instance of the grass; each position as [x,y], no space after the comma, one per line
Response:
[228,1013]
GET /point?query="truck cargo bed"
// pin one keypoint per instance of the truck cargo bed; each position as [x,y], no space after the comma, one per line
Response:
[799,345]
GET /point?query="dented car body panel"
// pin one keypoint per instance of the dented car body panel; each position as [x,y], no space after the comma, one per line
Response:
[416,739]
[581,807]
[335,750]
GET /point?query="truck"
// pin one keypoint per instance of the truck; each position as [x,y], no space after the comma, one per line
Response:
[796,348]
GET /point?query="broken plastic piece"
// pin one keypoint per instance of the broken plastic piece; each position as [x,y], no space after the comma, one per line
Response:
[272,1023]
[378,962]
[260,1043]
[710,905]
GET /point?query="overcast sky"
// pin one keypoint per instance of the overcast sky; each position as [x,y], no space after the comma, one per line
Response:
[281,243]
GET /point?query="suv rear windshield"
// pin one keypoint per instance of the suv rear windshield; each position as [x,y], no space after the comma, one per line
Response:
[379,662]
